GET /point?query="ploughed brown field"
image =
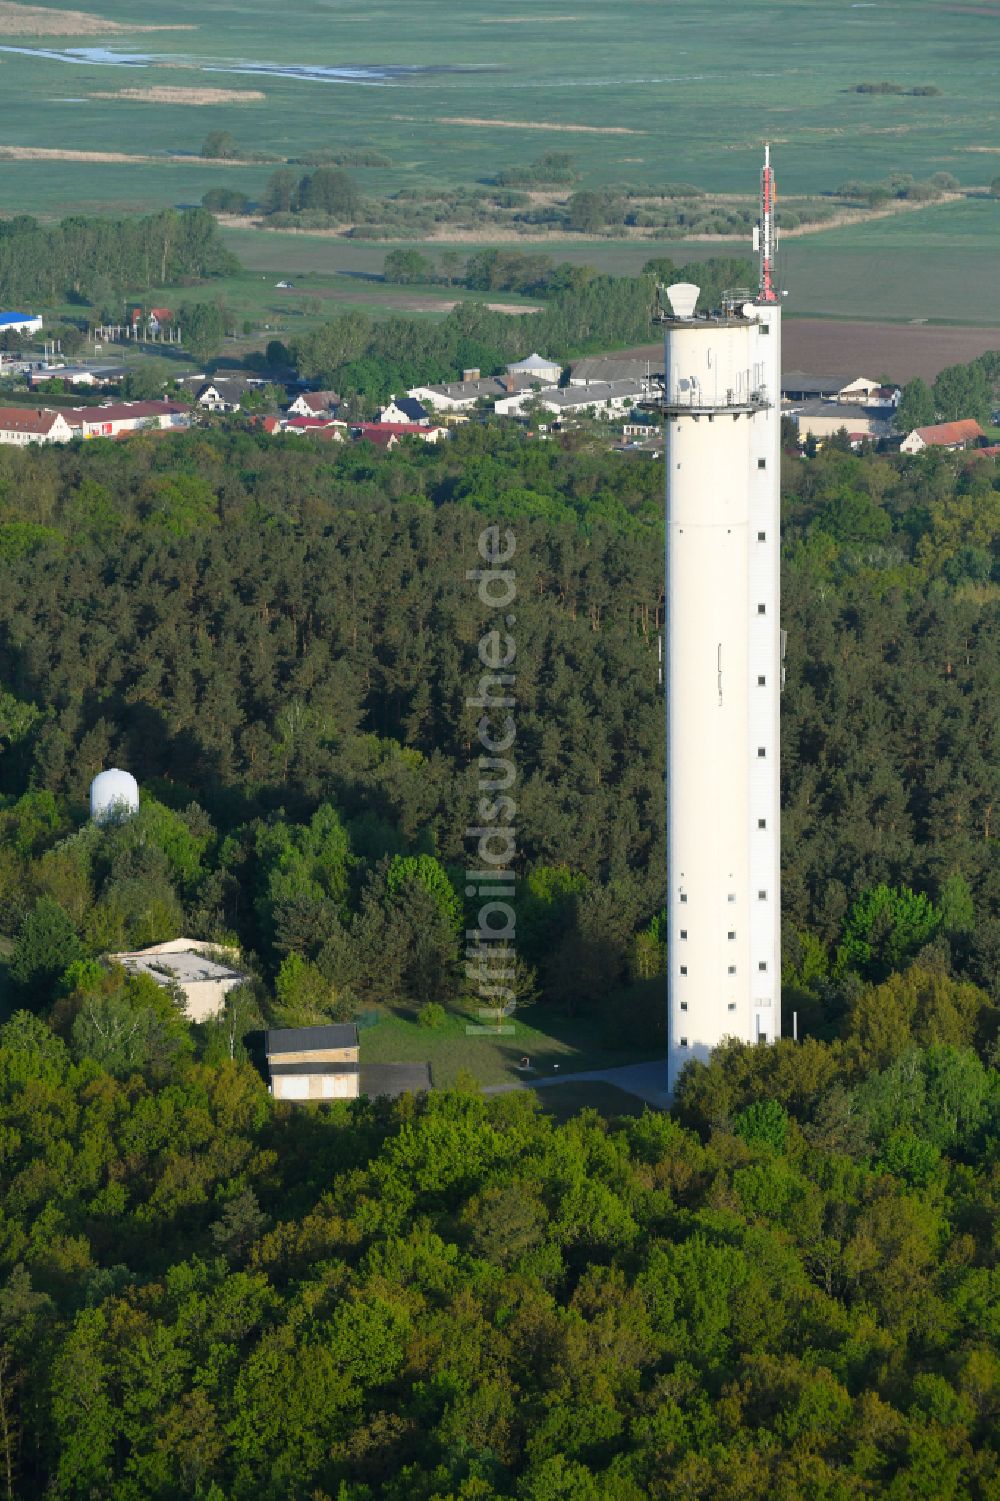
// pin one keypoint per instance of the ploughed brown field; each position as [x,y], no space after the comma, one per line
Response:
[900,351]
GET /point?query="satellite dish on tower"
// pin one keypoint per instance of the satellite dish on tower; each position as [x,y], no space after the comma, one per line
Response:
[683,298]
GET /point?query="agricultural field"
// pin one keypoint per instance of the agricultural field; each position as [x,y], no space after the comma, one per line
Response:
[104,110]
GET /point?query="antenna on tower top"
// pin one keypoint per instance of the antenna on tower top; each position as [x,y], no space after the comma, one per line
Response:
[764,233]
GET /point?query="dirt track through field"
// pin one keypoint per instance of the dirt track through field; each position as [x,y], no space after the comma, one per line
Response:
[165,94]
[590,130]
[47,154]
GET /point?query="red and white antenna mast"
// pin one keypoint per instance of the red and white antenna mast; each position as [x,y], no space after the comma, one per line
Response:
[764,235]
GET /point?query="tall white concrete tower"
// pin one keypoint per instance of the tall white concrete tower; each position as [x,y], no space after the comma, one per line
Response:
[724,650]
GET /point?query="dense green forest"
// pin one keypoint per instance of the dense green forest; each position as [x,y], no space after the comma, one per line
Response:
[787,1288]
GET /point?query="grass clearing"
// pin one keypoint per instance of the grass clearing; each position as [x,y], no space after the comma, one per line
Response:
[554,1044]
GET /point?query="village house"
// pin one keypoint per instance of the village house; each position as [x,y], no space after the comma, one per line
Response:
[459,395]
[381,432]
[225,393]
[205,973]
[822,419]
[269,424]
[314,404]
[947,435]
[575,401]
[331,425]
[536,367]
[404,410]
[33,425]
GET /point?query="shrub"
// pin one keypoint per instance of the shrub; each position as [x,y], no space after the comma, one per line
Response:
[431,1015]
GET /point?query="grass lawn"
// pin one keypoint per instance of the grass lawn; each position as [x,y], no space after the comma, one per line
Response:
[574,1044]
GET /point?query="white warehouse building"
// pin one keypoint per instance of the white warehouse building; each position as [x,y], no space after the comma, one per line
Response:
[722,406]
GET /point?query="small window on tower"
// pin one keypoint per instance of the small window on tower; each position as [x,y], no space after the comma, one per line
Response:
[684,1005]
[731,935]
[684,1042]
[761,753]
[731,897]
[683,896]
[762,681]
[684,969]
[684,932]
[762,609]
[765,328]
[762,823]
[762,896]
[761,463]
[732,969]
[732,1006]
[762,965]
[762,536]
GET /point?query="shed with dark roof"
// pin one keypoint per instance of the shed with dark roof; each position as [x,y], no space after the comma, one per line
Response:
[313,1063]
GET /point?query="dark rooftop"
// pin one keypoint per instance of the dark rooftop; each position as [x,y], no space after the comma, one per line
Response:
[305,1039]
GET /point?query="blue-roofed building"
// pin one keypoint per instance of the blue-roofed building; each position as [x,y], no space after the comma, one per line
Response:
[20,323]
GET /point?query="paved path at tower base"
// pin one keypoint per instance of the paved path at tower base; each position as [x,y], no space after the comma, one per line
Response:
[644,1080]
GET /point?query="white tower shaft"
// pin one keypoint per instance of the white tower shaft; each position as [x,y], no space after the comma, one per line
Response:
[723,661]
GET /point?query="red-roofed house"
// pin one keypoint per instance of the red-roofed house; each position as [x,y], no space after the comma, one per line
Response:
[385,436]
[950,435]
[314,404]
[375,430]
[114,418]
[313,424]
[268,424]
[33,425]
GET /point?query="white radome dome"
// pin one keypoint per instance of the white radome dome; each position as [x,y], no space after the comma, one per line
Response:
[113,794]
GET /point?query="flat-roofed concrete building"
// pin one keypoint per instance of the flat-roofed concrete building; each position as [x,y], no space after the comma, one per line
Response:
[205,972]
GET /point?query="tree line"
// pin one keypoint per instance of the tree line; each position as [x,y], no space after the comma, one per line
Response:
[584,313]
[99,260]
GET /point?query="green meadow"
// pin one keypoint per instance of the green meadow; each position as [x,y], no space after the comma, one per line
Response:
[664,90]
